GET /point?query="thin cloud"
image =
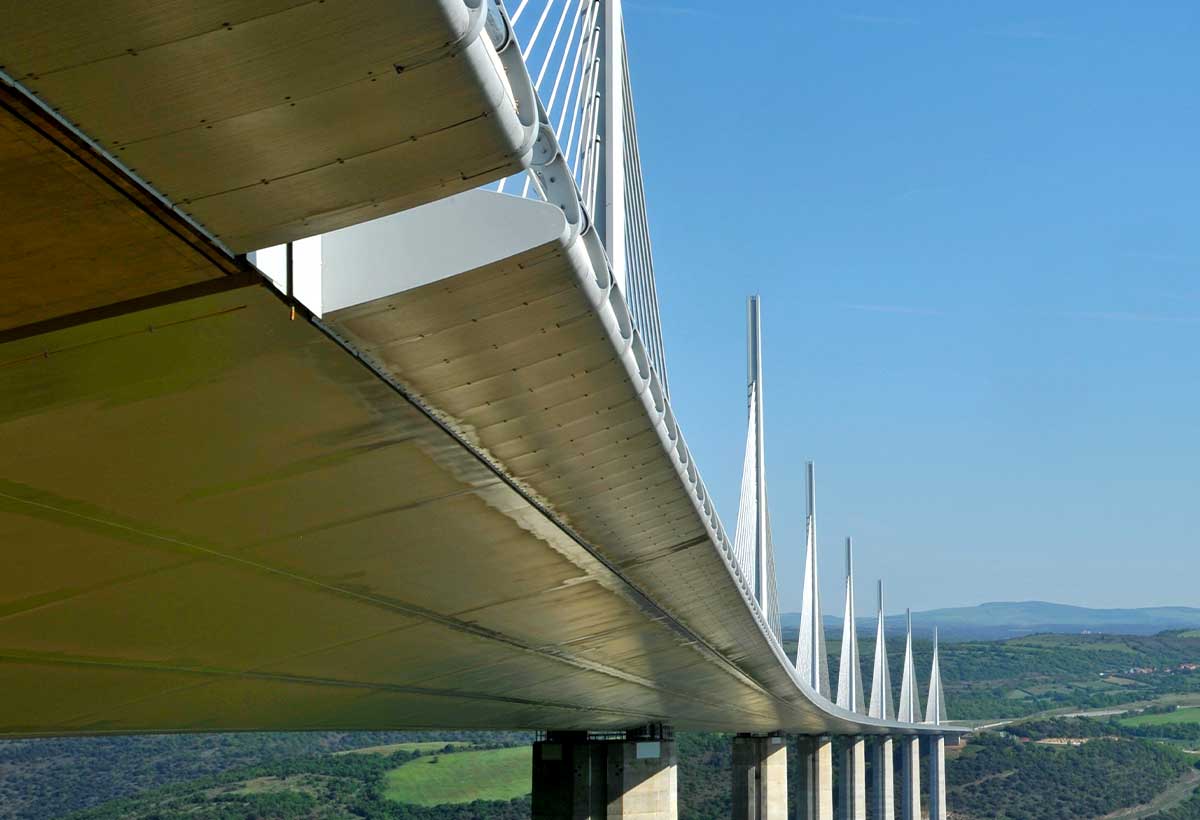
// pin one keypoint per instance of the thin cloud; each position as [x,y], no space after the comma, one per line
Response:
[1158,256]
[1181,295]
[918,190]
[877,19]
[902,309]
[1037,31]
[1014,31]
[1027,31]
[1128,316]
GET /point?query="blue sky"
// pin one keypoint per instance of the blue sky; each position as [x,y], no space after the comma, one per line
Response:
[975,231]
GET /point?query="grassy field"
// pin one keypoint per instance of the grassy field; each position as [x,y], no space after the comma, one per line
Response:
[1178,716]
[490,774]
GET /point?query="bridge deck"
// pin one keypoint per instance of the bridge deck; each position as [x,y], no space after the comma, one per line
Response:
[218,518]
[215,517]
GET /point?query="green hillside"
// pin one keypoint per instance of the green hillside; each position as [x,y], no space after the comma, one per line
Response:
[389,776]
[404,785]
[995,776]
[51,777]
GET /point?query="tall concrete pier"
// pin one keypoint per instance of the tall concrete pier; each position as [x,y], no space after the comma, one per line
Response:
[760,785]
[853,776]
[883,783]
[910,778]
[814,792]
[581,777]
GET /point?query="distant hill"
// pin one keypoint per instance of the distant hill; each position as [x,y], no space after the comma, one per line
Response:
[1009,619]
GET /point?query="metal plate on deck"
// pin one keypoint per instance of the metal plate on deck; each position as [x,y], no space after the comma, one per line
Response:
[267,122]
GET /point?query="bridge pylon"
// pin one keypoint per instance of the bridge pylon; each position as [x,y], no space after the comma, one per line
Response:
[910,712]
[755,390]
[935,713]
[811,660]
[850,697]
[850,688]
[754,550]
[883,777]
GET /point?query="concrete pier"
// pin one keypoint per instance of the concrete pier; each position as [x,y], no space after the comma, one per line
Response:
[910,773]
[814,792]
[760,788]
[937,778]
[883,784]
[577,777]
[853,777]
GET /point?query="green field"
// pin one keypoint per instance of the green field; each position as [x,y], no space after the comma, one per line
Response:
[1178,716]
[491,774]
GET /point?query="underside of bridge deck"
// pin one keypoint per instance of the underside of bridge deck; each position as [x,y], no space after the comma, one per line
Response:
[216,518]
[77,234]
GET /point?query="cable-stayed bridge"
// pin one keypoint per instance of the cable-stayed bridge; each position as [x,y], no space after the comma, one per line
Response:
[334,395]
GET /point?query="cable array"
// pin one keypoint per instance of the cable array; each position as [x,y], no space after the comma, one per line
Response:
[565,47]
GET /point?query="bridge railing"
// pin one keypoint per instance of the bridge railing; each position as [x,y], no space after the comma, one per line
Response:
[560,42]
[575,53]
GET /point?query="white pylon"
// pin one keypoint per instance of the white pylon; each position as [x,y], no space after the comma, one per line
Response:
[910,698]
[754,550]
[746,534]
[850,688]
[935,714]
[881,679]
[811,661]
[755,387]
[935,709]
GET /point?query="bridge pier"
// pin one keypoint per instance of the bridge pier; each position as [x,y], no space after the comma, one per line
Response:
[937,778]
[581,776]
[760,790]
[815,789]
[853,777]
[883,785]
[910,767]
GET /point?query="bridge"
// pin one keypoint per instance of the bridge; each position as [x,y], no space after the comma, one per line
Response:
[333,395]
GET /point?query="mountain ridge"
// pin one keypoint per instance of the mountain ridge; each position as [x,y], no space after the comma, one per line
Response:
[994,620]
